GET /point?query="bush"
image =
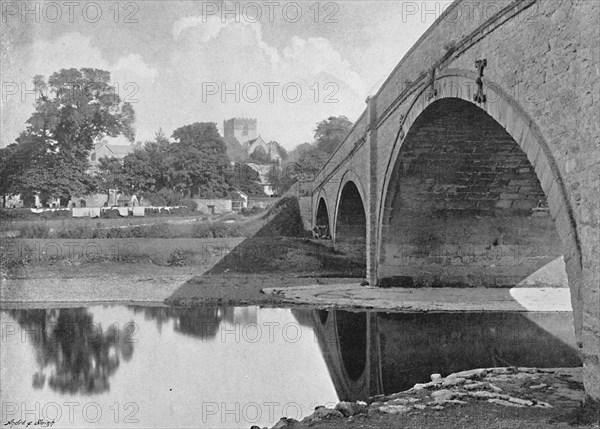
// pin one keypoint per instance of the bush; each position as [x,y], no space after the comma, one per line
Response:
[27,214]
[165,197]
[78,232]
[220,230]
[110,214]
[191,204]
[180,211]
[251,211]
[202,230]
[179,258]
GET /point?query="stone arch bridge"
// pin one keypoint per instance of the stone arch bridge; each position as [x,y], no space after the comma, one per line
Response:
[478,161]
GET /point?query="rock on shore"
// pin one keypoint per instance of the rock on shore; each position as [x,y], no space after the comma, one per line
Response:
[509,387]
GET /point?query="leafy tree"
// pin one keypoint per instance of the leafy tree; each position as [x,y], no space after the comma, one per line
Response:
[139,172]
[274,178]
[331,132]
[159,160]
[312,159]
[10,168]
[260,155]
[235,151]
[73,110]
[246,179]
[307,159]
[283,154]
[110,174]
[165,197]
[199,160]
[294,155]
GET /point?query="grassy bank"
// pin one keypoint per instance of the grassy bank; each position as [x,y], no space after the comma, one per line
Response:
[227,260]
[230,225]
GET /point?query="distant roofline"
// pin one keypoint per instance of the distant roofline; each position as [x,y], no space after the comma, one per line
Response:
[241,119]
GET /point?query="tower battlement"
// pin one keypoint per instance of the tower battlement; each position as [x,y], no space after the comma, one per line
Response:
[243,129]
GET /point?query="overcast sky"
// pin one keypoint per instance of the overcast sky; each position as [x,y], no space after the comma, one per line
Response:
[288,64]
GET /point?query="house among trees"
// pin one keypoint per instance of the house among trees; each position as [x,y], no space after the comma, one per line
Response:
[247,146]
[104,149]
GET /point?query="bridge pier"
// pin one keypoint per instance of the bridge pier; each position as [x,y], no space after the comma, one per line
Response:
[371,250]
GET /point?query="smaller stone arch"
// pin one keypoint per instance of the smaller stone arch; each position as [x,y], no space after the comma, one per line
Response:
[350,233]
[322,220]
[349,176]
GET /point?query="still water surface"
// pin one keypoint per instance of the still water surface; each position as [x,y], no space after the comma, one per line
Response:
[138,367]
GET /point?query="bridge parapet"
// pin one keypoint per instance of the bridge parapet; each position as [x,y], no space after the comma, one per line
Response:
[454,32]
[461,25]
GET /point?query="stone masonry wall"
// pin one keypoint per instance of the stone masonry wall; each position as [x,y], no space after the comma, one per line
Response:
[465,203]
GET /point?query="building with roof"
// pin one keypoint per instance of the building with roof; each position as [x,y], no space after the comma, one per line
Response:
[270,151]
[261,156]
[104,149]
[242,129]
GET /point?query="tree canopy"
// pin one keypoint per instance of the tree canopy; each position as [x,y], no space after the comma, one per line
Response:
[200,160]
[77,108]
[331,132]
[246,179]
[73,110]
[307,159]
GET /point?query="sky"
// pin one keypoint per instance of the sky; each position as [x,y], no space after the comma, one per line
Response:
[288,64]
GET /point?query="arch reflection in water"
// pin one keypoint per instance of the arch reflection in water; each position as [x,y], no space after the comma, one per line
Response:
[372,353]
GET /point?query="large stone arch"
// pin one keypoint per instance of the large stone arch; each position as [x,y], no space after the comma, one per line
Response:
[505,111]
[351,217]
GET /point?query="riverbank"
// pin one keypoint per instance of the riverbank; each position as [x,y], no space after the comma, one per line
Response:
[492,398]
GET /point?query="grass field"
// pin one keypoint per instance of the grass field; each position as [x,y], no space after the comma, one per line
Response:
[272,242]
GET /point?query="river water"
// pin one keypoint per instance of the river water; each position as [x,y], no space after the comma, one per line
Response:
[228,367]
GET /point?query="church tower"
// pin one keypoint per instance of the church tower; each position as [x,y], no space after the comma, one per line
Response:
[243,129]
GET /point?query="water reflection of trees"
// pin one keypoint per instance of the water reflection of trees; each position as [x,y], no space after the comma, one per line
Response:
[202,322]
[197,322]
[73,354]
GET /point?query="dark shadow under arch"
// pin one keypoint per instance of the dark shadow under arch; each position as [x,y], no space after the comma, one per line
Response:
[464,206]
[351,224]
[322,219]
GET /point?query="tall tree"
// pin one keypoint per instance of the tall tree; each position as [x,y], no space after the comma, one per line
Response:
[246,179]
[283,154]
[139,172]
[110,175]
[274,178]
[73,110]
[331,132]
[10,169]
[160,159]
[200,160]
[235,151]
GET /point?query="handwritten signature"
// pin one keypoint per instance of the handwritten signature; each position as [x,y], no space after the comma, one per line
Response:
[40,422]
